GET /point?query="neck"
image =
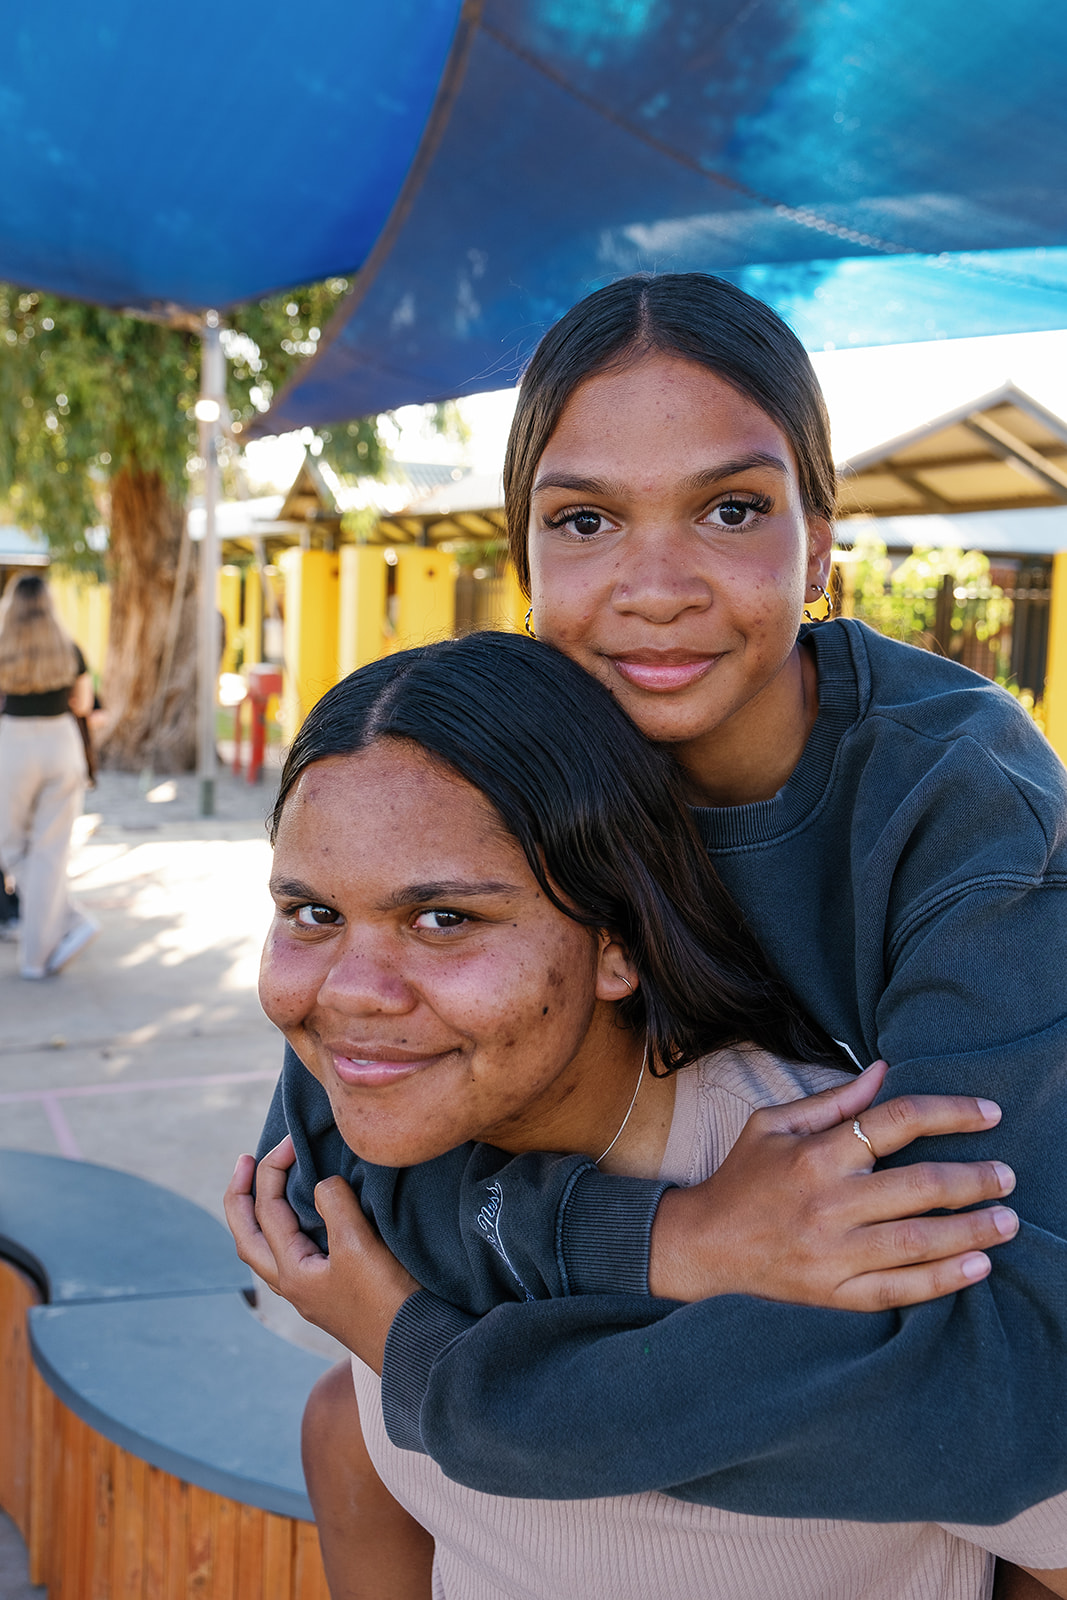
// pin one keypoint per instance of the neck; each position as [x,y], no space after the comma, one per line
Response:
[588,1105]
[751,755]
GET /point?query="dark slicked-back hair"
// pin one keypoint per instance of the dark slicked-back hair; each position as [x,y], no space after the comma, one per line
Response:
[688,314]
[600,816]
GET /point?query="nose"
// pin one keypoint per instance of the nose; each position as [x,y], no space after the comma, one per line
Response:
[659,577]
[365,980]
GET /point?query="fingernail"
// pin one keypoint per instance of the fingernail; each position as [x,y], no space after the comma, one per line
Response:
[1005,1177]
[989,1109]
[1005,1221]
[974,1267]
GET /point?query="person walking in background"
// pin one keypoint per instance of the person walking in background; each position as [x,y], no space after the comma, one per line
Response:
[45,686]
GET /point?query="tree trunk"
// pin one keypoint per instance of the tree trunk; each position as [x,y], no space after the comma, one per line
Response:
[150,724]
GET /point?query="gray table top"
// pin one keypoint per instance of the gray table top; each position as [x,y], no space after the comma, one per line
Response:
[88,1232]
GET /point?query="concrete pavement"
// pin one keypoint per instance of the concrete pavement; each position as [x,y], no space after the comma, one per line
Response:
[150,1051]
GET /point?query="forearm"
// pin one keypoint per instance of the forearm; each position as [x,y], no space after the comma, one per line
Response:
[752,1406]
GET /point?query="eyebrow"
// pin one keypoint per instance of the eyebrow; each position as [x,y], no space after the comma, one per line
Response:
[446,889]
[411,894]
[707,479]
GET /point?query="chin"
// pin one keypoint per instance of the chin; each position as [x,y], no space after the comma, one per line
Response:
[386,1148]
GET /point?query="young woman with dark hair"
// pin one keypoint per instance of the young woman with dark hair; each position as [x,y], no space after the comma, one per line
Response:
[892,828]
[493,913]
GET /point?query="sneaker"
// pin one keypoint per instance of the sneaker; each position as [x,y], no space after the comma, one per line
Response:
[73,941]
[9,930]
[33,972]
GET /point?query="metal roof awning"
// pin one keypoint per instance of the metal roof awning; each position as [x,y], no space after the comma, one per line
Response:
[1003,451]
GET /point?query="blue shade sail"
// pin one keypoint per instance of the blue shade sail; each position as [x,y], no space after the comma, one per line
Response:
[208,153]
[879,170]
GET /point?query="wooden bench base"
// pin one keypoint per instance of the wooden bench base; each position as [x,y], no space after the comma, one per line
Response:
[101,1524]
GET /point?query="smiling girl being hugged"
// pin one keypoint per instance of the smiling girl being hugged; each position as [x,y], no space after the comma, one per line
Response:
[893,830]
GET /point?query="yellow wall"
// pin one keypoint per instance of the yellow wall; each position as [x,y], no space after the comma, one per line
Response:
[84,608]
[252,631]
[361,618]
[311,662]
[1056,675]
[229,603]
[516,603]
[426,598]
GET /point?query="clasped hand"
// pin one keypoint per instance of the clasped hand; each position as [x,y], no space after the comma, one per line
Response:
[354,1292]
[797,1211]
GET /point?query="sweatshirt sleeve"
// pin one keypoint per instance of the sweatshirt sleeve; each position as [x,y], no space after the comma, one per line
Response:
[475,1226]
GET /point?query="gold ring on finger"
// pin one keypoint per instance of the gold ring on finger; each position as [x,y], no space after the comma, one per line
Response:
[858,1131]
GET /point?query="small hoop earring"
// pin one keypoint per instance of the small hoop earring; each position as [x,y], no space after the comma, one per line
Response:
[526,623]
[828,613]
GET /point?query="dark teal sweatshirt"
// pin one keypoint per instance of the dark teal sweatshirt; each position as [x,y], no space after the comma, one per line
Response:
[909,884]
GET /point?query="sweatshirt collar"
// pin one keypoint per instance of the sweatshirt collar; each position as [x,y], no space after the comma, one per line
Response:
[733,827]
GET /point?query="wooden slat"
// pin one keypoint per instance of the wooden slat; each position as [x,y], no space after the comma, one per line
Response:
[73,1508]
[225,1515]
[130,1529]
[177,1537]
[101,1455]
[200,1542]
[249,1580]
[309,1579]
[155,1555]
[18,1293]
[44,1459]
[278,1545]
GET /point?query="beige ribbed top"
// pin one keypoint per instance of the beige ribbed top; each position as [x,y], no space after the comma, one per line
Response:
[652,1547]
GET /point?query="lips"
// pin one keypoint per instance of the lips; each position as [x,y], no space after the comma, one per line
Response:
[375,1070]
[663,671]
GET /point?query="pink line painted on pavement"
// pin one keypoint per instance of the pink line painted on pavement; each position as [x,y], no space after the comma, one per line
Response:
[84,1090]
[61,1132]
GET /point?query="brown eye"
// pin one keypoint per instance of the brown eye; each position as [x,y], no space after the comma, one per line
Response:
[734,512]
[315,916]
[586,523]
[440,921]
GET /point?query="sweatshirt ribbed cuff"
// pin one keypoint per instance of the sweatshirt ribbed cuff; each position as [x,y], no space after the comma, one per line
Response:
[422,1330]
[603,1232]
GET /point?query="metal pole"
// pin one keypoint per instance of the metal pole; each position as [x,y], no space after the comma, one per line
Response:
[208,411]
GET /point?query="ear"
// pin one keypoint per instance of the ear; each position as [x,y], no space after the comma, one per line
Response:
[820,551]
[616,975]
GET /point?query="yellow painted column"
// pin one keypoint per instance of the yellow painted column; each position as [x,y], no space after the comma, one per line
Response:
[516,604]
[311,665]
[228,599]
[1056,671]
[361,614]
[252,632]
[426,598]
[99,622]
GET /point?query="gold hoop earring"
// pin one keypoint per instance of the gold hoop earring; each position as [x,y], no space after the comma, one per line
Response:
[828,613]
[526,623]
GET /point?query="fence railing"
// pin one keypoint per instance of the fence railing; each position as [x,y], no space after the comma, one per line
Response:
[997,627]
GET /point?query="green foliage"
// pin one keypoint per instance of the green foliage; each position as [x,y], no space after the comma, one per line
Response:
[85,392]
[901,601]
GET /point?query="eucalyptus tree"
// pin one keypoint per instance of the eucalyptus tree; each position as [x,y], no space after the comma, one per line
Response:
[97,428]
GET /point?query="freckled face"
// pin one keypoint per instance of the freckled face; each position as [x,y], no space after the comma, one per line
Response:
[418,969]
[670,553]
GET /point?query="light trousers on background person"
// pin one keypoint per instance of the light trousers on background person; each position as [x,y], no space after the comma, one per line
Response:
[42,791]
